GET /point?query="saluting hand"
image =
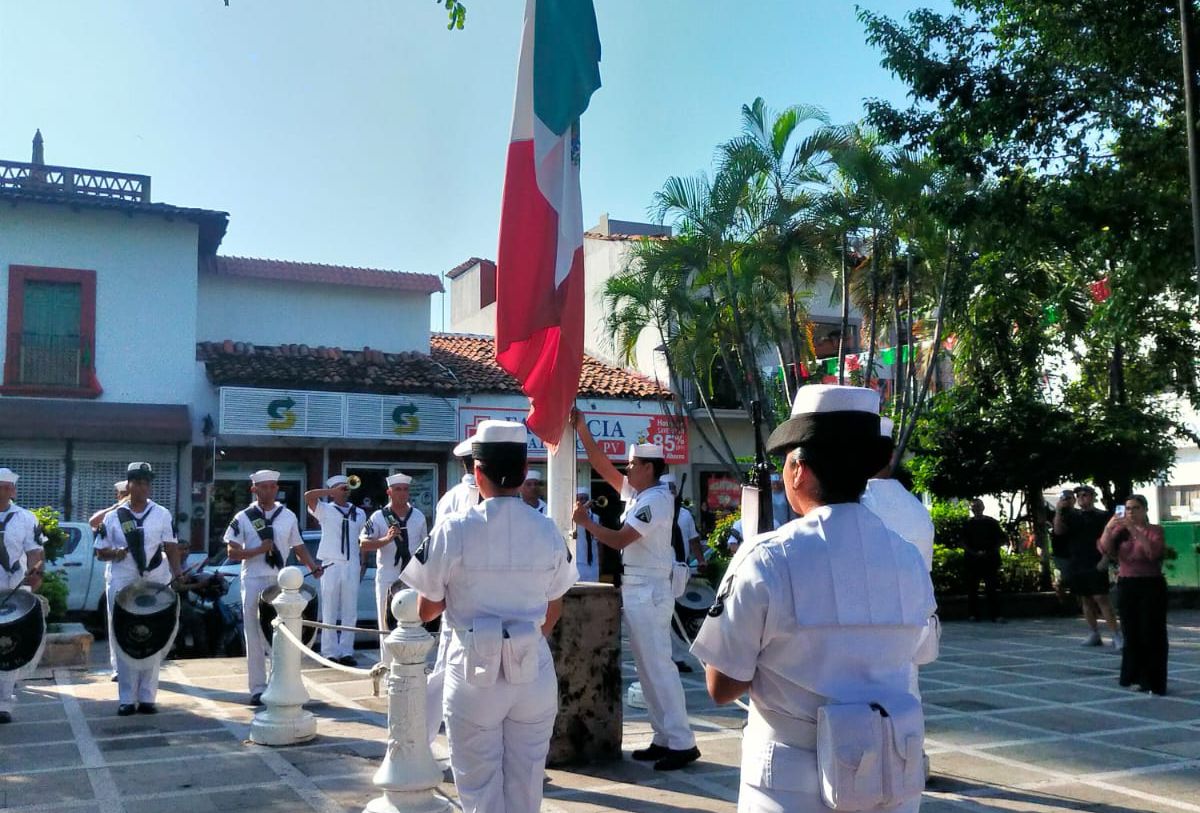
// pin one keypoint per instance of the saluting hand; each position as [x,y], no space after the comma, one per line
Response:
[580,514]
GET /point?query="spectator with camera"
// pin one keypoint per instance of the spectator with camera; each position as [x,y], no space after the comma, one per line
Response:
[1138,547]
[1086,576]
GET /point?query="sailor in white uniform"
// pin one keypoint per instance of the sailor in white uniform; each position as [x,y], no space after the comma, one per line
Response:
[392,533]
[463,496]
[587,549]
[900,511]
[822,621]
[121,491]
[260,537]
[21,559]
[141,542]
[647,600]
[498,572]
[531,491]
[341,524]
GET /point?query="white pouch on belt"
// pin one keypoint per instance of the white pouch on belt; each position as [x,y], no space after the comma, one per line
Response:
[519,655]
[681,574]
[869,754]
[483,651]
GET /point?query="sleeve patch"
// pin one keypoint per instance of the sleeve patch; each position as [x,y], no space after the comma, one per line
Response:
[643,514]
[422,553]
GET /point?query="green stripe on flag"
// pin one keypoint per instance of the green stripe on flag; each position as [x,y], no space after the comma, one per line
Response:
[566,61]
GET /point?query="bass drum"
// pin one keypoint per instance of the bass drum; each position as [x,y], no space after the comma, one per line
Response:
[145,620]
[266,612]
[691,608]
[22,632]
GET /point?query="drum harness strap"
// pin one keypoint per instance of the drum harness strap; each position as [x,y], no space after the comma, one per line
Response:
[5,564]
[131,527]
[402,552]
[266,533]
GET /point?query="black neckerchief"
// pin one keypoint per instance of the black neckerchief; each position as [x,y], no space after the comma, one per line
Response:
[6,565]
[392,519]
[346,517]
[266,533]
[135,538]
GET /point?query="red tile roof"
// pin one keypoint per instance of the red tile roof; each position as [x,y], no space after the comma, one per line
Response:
[473,359]
[456,364]
[288,271]
[292,366]
[462,267]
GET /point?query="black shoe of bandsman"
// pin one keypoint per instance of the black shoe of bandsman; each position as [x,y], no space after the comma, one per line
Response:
[5,717]
[147,708]
[348,660]
[677,758]
[683,666]
[653,753]
[126,709]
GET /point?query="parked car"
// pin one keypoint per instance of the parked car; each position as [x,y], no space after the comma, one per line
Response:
[84,574]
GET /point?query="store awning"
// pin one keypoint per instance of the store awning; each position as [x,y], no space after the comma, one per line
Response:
[62,419]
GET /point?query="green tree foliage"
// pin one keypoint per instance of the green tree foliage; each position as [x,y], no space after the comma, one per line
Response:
[54,541]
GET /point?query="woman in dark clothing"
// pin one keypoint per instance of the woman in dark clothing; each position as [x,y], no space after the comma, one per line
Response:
[1138,546]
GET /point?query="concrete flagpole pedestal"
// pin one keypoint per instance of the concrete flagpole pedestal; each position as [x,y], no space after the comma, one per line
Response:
[408,773]
[284,720]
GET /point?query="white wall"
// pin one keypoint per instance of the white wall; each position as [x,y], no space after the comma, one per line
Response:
[145,291]
[271,312]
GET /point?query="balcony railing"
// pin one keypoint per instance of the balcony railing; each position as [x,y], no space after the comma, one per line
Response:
[51,361]
[74,181]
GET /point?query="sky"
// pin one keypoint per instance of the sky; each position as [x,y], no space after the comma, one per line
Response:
[362,132]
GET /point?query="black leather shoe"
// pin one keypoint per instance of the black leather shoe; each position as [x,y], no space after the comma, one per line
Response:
[256,699]
[147,708]
[682,666]
[677,758]
[651,754]
[5,717]
[126,709]
[348,660]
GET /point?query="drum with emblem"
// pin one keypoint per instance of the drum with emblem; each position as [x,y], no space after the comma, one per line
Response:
[22,632]
[266,612]
[145,620]
[691,608]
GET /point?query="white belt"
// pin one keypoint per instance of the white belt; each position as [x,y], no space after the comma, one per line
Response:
[780,728]
[646,572]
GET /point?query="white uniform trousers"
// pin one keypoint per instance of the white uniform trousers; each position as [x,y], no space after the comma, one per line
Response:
[110,596]
[8,681]
[257,647]
[647,603]
[384,578]
[339,605]
[434,687]
[499,736]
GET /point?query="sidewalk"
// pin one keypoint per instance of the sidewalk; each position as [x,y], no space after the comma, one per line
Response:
[1020,717]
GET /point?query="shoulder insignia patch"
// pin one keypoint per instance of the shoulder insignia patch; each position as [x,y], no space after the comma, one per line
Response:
[643,514]
[422,553]
[235,527]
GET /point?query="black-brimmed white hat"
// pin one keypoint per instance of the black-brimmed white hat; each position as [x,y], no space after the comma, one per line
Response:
[828,414]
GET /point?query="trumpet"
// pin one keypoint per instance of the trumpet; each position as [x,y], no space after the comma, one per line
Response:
[599,502]
[354,481]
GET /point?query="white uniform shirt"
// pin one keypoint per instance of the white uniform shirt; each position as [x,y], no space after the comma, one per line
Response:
[651,513]
[241,532]
[458,499]
[903,513]
[500,559]
[687,527]
[158,529]
[830,609]
[377,526]
[339,540]
[20,537]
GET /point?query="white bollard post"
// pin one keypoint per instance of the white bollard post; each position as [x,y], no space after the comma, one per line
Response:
[408,773]
[283,719]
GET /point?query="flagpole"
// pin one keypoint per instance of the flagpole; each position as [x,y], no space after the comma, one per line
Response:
[560,480]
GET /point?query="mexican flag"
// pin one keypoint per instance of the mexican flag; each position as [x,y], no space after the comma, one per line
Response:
[539,266]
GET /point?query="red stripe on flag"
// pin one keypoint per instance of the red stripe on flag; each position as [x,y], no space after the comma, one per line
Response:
[539,328]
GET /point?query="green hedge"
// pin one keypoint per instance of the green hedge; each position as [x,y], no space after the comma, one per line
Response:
[1019,572]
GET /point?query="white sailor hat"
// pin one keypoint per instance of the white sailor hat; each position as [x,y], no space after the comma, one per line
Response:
[464,449]
[139,471]
[583,491]
[337,480]
[9,476]
[492,431]
[398,479]
[886,425]
[828,414]
[645,451]
[264,476]
[668,479]
[121,485]
[533,474]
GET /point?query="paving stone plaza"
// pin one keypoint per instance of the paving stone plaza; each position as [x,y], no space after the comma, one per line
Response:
[1019,716]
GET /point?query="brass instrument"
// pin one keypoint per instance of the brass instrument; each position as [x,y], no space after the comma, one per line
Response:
[354,481]
[600,502]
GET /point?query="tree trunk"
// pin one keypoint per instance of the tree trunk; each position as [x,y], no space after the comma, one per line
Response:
[897,381]
[845,312]
[874,315]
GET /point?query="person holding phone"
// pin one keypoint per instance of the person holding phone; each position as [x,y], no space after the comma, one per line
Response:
[1138,547]
[1082,527]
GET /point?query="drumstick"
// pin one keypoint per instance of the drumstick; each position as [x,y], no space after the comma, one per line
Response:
[28,573]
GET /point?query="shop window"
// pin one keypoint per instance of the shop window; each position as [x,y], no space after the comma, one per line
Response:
[51,341]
